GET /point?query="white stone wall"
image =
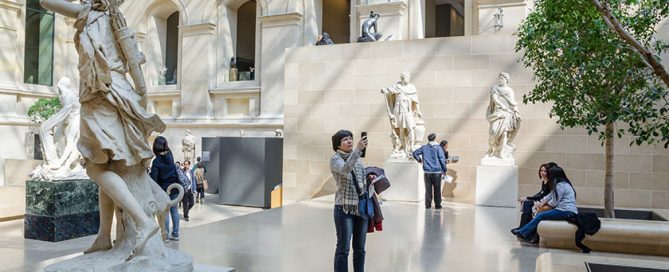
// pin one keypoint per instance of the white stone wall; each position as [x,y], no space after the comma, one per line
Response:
[337,87]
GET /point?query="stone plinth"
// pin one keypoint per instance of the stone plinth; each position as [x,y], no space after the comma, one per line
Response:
[497,186]
[406,181]
[61,210]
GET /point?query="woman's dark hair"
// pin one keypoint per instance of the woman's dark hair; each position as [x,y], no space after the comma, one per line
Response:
[556,175]
[336,138]
[160,145]
[443,143]
[199,165]
[545,165]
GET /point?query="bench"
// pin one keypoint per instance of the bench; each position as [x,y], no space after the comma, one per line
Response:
[615,235]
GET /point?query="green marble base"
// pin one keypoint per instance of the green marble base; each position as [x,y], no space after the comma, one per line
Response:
[61,210]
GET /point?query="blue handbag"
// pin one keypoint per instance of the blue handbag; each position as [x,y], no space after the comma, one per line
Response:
[365,206]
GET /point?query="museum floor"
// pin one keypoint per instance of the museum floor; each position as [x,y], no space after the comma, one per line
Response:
[301,237]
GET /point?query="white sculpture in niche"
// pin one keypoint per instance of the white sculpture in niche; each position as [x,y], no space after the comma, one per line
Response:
[188,146]
[66,122]
[504,119]
[162,80]
[404,111]
[113,143]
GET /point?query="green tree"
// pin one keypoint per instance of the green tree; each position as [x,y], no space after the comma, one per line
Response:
[593,76]
[43,109]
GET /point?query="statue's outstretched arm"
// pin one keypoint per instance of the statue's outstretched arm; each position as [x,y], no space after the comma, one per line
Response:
[63,7]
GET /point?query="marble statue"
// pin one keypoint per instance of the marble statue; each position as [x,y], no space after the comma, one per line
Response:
[113,144]
[403,110]
[370,29]
[278,133]
[234,72]
[504,119]
[66,165]
[188,146]
[162,80]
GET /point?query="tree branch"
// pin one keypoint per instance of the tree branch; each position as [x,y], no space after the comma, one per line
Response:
[650,60]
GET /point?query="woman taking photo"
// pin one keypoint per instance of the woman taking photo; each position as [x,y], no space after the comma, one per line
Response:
[562,201]
[347,170]
[528,202]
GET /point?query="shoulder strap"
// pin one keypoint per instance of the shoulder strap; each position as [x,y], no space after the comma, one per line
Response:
[355,182]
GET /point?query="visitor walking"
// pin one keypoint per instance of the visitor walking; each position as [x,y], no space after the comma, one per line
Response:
[189,185]
[200,181]
[164,172]
[432,157]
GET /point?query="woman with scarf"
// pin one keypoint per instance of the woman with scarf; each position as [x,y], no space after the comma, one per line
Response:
[347,170]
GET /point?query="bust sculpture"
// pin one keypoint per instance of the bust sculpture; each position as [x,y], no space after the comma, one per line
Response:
[113,143]
[188,146]
[504,118]
[67,164]
[369,32]
[403,110]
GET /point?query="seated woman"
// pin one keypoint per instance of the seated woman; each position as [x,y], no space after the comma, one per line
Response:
[562,199]
[528,202]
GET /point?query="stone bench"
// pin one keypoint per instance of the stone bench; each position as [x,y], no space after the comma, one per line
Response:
[615,235]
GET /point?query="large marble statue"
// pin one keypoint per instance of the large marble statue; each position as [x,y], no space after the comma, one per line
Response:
[113,143]
[369,32]
[66,165]
[403,110]
[188,146]
[504,119]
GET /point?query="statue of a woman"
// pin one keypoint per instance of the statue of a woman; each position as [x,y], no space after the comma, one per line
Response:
[504,119]
[113,137]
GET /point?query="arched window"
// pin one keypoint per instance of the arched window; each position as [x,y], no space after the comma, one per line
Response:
[337,20]
[246,40]
[38,60]
[444,18]
[172,48]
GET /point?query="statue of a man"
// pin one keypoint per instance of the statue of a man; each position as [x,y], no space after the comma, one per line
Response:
[65,166]
[403,109]
[188,146]
[369,30]
[113,137]
[504,119]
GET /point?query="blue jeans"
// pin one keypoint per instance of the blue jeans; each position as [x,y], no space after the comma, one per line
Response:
[174,214]
[553,214]
[348,225]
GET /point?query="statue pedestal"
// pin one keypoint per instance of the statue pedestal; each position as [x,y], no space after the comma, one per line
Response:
[406,181]
[497,186]
[61,210]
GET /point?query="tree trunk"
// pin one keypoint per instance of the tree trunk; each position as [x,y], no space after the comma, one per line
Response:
[608,179]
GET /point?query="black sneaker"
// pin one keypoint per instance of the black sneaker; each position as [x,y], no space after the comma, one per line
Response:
[438,207]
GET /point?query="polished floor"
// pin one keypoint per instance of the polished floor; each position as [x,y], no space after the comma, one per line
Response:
[301,237]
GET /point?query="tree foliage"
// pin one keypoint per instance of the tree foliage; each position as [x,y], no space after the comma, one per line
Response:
[590,74]
[44,108]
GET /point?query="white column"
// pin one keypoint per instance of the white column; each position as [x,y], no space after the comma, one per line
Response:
[196,76]
[278,33]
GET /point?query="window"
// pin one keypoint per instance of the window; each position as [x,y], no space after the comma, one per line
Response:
[38,62]
[337,20]
[444,18]
[246,40]
[172,48]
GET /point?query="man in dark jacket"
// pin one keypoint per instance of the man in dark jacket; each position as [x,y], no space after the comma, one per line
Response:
[433,159]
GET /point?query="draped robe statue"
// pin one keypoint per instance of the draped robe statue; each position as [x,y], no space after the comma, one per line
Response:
[404,112]
[504,118]
[113,142]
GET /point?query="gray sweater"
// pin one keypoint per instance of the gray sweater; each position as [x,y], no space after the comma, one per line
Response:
[566,200]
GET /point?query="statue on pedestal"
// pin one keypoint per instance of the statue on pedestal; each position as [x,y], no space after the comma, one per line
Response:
[370,31]
[162,80]
[403,110]
[66,165]
[504,119]
[113,143]
[234,73]
[188,146]
[324,39]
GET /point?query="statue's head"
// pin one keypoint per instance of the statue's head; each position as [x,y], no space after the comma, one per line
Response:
[374,15]
[504,78]
[326,35]
[65,86]
[405,77]
[188,131]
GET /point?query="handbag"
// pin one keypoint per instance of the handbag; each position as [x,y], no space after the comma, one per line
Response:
[365,206]
[205,184]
